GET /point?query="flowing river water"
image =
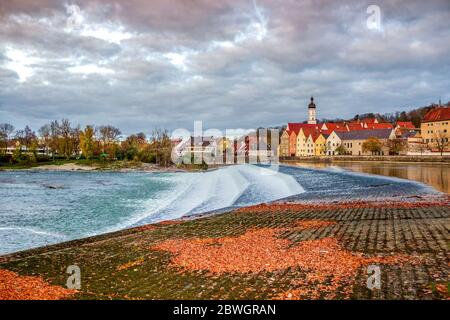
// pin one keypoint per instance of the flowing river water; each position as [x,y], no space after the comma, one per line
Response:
[39,207]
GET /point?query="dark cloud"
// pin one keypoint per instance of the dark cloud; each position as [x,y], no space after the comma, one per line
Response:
[139,64]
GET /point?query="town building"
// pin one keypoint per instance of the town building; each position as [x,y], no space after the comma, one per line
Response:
[435,128]
[352,141]
[402,125]
[305,143]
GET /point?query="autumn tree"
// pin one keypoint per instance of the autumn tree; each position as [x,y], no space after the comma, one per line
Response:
[65,145]
[87,142]
[372,145]
[135,147]
[161,147]
[396,145]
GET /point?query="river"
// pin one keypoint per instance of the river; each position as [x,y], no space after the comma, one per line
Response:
[436,175]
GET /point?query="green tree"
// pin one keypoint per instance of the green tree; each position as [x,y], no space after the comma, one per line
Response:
[17,153]
[340,150]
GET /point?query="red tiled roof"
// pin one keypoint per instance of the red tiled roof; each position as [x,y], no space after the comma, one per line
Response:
[405,124]
[294,126]
[335,125]
[384,125]
[354,126]
[310,129]
[437,114]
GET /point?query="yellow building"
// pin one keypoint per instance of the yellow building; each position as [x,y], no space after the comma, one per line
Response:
[311,143]
[436,126]
[320,144]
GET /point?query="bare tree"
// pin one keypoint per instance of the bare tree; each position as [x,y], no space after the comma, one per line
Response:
[6,131]
[44,133]
[26,136]
[441,141]
[107,135]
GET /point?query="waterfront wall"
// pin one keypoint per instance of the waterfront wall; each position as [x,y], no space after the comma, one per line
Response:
[330,159]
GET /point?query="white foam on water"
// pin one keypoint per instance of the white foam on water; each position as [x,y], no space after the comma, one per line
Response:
[269,185]
[213,190]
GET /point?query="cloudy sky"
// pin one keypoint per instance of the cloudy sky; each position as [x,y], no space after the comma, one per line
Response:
[140,64]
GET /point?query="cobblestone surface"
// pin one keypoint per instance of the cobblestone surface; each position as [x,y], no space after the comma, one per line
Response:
[122,265]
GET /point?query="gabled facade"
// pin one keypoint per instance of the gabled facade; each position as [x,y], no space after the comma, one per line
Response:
[333,142]
[320,144]
[305,147]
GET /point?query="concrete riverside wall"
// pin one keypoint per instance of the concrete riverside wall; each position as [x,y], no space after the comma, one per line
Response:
[329,159]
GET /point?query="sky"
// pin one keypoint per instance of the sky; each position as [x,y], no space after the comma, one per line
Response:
[141,64]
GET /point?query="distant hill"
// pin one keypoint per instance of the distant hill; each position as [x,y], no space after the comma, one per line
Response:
[415,115]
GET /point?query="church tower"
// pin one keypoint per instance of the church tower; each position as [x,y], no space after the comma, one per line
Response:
[312,112]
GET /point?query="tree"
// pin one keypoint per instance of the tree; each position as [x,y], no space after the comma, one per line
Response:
[17,153]
[65,145]
[108,135]
[6,130]
[75,140]
[135,147]
[372,145]
[54,137]
[441,141]
[340,150]
[396,145]
[26,136]
[161,147]
[87,142]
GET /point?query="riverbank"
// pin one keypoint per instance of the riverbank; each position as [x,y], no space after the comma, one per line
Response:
[277,251]
[119,167]
[95,165]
